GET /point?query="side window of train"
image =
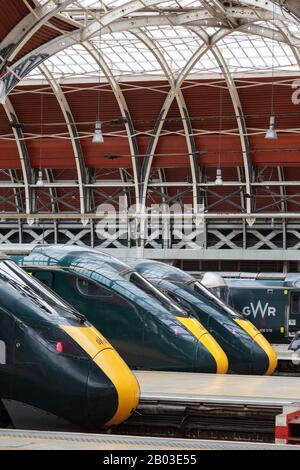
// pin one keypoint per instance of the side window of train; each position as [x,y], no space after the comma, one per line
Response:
[295,304]
[46,277]
[91,289]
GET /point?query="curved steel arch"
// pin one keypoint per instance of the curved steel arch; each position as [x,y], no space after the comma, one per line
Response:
[295,51]
[78,153]
[240,121]
[26,28]
[39,55]
[271,6]
[184,115]
[255,29]
[292,6]
[235,99]
[166,106]
[23,153]
[124,111]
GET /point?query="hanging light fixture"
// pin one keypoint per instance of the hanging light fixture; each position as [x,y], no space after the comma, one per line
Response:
[271,133]
[98,136]
[219,179]
[40,181]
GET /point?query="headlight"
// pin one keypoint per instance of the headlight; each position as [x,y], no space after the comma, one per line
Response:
[58,342]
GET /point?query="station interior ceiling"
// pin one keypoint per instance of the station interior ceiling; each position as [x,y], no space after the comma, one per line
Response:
[182,89]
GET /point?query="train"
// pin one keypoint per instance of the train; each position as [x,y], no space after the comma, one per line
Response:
[56,370]
[270,301]
[247,350]
[148,329]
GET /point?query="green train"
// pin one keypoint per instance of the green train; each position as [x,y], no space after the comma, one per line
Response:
[270,301]
[56,369]
[247,350]
[147,328]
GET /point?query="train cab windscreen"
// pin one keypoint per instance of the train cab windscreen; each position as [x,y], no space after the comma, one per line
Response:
[215,283]
[210,295]
[35,291]
[222,293]
[155,293]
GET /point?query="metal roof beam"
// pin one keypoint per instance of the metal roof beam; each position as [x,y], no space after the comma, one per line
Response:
[241,122]
[108,23]
[77,149]
[271,6]
[17,38]
[173,93]
[23,153]
[185,119]
[133,145]
[226,216]
[292,6]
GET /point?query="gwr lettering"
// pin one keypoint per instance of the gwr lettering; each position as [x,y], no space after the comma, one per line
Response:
[259,309]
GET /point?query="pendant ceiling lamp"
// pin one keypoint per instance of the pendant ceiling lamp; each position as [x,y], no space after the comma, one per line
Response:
[40,181]
[219,179]
[98,135]
[271,133]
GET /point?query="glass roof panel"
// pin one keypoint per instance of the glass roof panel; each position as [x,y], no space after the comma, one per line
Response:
[176,44]
[253,54]
[127,55]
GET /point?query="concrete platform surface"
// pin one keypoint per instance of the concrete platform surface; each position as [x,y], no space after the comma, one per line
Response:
[36,440]
[262,390]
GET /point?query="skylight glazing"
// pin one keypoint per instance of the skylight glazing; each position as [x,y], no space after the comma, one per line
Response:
[127,55]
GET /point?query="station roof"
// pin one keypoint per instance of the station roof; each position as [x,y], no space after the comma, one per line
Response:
[183,87]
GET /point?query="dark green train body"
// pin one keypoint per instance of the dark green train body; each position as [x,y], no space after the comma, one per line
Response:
[247,351]
[55,368]
[271,302]
[147,329]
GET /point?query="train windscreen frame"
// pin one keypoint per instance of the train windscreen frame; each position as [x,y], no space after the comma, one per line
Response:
[143,284]
[36,291]
[201,289]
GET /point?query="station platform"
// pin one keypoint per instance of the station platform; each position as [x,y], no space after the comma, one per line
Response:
[36,440]
[209,406]
[212,388]
[285,355]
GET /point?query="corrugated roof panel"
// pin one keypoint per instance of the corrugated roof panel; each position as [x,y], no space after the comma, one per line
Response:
[12,15]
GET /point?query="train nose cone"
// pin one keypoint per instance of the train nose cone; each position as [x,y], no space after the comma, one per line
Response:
[214,349]
[264,358]
[204,361]
[210,357]
[113,390]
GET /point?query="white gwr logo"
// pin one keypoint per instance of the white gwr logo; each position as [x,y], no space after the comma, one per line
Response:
[259,309]
[2,353]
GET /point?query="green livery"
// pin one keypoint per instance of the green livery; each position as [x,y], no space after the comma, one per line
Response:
[55,368]
[247,353]
[272,303]
[147,329]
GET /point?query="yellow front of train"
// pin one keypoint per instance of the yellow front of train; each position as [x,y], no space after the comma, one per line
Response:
[207,343]
[112,389]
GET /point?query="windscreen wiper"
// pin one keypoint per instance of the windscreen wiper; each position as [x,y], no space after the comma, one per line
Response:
[25,290]
[76,314]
